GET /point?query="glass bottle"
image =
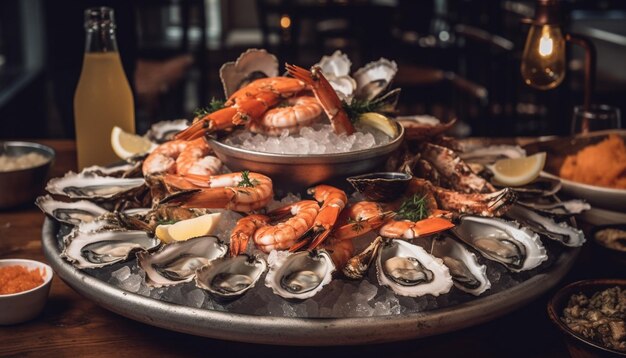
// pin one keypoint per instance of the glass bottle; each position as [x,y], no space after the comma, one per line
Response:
[103,98]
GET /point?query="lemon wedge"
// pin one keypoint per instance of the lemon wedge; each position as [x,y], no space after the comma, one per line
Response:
[186,229]
[380,122]
[125,144]
[518,171]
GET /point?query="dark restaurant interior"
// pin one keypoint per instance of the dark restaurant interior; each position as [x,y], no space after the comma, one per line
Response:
[456,57]
[513,195]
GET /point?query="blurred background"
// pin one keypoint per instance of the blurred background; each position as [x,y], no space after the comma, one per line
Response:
[456,57]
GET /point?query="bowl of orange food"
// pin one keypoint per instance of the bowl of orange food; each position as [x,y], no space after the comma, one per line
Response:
[24,288]
[591,166]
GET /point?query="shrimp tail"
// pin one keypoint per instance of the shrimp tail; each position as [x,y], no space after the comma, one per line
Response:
[326,95]
[212,122]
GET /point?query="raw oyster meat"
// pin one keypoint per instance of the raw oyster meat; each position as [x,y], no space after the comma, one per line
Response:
[300,275]
[467,273]
[72,213]
[409,270]
[558,209]
[94,187]
[177,262]
[492,153]
[98,249]
[227,278]
[517,248]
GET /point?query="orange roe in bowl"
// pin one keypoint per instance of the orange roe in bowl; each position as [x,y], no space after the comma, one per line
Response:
[14,279]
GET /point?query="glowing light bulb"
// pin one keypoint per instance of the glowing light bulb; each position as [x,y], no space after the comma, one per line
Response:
[285,21]
[543,60]
[546,45]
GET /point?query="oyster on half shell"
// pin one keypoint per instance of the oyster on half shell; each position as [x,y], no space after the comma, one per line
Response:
[300,275]
[72,213]
[177,262]
[409,270]
[374,78]
[164,131]
[517,248]
[93,187]
[102,248]
[561,232]
[228,278]
[467,273]
[249,66]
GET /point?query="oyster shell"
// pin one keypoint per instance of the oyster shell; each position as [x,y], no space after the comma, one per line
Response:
[373,78]
[164,131]
[98,249]
[227,278]
[177,262]
[249,66]
[517,248]
[560,232]
[336,69]
[492,153]
[467,273]
[559,209]
[300,275]
[72,213]
[410,271]
[121,170]
[92,186]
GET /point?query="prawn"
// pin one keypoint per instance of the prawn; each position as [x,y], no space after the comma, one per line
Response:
[243,231]
[326,96]
[333,202]
[182,157]
[238,191]
[292,114]
[246,104]
[285,234]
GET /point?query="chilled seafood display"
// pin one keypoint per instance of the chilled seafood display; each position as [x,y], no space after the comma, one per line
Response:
[430,227]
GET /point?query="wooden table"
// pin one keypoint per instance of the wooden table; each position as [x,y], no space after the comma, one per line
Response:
[73,326]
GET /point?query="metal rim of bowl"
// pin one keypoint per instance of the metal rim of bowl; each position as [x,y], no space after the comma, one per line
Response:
[49,153]
[568,291]
[310,158]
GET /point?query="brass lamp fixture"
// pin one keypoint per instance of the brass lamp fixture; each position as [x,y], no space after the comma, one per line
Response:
[543,60]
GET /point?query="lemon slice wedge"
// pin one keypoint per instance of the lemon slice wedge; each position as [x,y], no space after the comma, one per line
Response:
[125,144]
[380,122]
[518,171]
[186,229]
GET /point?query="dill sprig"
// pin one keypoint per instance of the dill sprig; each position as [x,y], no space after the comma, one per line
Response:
[214,105]
[246,182]
[414,208]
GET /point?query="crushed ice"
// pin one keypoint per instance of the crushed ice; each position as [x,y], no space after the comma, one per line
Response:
[316,139]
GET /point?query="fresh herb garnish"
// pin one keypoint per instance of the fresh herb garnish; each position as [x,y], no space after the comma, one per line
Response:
[166,222]
[214,105]
[245,180]
[357,108]
[414,208]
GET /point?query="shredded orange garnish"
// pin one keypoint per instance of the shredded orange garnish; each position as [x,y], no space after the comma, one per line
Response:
[602,164]
[14,279]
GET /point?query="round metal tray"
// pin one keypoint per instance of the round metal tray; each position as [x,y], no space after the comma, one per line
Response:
[300,331]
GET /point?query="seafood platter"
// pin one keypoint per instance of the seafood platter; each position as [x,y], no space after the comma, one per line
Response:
[418,242]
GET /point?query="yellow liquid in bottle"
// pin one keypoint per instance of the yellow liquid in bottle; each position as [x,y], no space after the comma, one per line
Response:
[103,99]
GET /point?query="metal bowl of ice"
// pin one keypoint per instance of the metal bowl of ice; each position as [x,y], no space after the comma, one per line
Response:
[296,172]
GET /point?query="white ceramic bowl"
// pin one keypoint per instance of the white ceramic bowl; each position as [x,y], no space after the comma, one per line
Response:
[23,306]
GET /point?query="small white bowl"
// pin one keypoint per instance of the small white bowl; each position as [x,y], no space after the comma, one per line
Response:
[26,305]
